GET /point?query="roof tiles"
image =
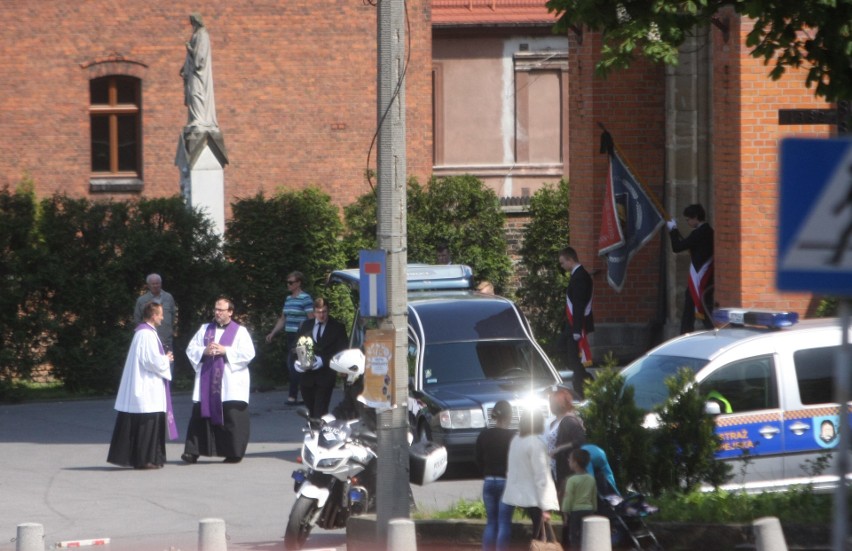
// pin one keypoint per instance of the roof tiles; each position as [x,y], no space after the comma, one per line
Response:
[480,12]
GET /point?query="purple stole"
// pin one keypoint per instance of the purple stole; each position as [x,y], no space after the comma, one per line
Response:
[170,414]
[212,371]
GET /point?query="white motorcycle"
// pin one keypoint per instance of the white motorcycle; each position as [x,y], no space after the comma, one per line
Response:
[339,478]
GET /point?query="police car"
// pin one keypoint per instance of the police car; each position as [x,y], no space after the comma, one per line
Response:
[769,381]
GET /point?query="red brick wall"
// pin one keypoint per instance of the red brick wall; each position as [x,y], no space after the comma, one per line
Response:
[295,86]
[745,139]
[745,170]
[630,104]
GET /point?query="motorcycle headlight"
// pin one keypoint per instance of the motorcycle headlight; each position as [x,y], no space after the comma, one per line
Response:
[307,456]
[330,463]
[462,419]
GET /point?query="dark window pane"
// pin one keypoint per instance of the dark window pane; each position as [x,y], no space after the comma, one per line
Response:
[99,91]
[488,320]
[815,373]
[127,143]
[126,90]
[100,144]
[480,360]
[115,136]
[648,377]
[747,385]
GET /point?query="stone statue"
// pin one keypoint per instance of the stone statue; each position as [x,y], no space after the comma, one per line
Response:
[197,73]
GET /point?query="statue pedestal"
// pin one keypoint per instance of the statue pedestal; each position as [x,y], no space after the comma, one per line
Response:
[201,159]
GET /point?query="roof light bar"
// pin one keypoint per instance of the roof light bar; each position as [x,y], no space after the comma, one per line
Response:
[772,319]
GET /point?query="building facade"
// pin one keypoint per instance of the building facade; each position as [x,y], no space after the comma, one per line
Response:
[500,94]
[91,104]
[704,132]
[91,100]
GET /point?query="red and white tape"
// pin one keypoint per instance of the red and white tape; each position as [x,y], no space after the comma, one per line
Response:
[83,543]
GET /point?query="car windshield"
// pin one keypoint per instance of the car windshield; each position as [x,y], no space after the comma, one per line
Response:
[455,362]
[648,375]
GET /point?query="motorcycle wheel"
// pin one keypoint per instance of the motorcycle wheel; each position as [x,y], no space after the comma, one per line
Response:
[299,524]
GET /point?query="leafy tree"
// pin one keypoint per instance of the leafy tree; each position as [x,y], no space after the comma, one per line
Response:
[21,317]
[614,422]
[165,237]
[458,211]
[267,239]
[542,290]
[92,260]
[685,443]
[787,33]
[827,307]
[73,269]
[464,214]
[361,223]
[90,300]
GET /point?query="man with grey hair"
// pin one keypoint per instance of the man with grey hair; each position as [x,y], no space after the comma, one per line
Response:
[156,294]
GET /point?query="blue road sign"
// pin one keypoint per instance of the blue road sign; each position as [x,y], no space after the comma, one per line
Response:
[815,216]
[373,283]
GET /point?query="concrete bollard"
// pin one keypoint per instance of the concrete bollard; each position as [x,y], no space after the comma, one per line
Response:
[211,535]
[768,535]
[401,535]
[30,537]
[596,534]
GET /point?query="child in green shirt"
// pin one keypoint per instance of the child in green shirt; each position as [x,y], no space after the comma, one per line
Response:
[580,499]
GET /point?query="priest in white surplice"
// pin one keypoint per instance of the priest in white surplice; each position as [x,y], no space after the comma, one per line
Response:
[220,353]
[144,402]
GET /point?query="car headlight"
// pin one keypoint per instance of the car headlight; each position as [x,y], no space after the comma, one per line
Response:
[462,419]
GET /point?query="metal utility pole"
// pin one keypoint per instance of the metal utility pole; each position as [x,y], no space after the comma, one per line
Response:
[392,499]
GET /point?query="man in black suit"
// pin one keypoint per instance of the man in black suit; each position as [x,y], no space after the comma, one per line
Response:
[317,380]
[579,319]
[698,302]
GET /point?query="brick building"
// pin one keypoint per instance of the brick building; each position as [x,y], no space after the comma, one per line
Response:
[295,90]
[706,131]
[295,87]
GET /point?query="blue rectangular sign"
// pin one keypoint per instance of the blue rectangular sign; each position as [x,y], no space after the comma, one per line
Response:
[373,267]
[815,216]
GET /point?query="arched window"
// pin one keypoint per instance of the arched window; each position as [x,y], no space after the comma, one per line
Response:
[115,115]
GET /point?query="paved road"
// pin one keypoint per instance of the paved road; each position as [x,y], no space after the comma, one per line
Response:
[53,471]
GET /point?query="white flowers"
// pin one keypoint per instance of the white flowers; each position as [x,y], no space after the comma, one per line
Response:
[304,353]
[307,342]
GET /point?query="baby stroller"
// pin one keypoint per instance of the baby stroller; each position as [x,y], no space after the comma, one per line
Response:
[625,513]
[626,519]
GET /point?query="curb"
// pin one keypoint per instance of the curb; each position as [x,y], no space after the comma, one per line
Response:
[435,535]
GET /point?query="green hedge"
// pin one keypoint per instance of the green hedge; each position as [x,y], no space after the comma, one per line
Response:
[73,268]
[268,238]
[542,290]
[458,211]
[93,259]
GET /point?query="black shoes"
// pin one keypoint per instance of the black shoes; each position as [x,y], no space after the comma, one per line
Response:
[190,459]
[148,467]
